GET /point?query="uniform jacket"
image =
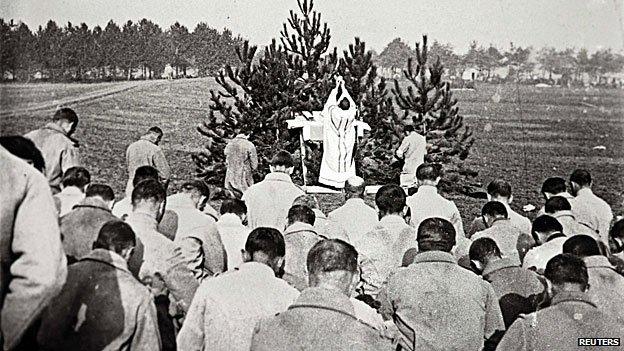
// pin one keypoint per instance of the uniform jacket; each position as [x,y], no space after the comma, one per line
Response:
[413,148]
[299,238]
[320,319]
[241,160]
[227,307]
[67,199]
[197,237]
[512,241]
[327,228]
[593,208]
[518,220]
[518,290]
[437,305]
[382,249]
[427,203]
[81,226]
[101,307]
[32,262]
[234,236]
[143,152]
[571,315]
[59,151]
[168,225]
[538,257]
[158,249]
[583,213]
[162,261]
[606,286]
[356,217]
[573,227]
[268,202]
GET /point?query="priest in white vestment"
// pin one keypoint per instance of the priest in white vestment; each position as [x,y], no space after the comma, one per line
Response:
[339,136]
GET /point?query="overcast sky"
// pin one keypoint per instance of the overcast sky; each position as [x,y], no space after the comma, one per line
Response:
[561,23]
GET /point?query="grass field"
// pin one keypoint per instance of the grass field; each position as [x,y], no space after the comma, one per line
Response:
[528,135]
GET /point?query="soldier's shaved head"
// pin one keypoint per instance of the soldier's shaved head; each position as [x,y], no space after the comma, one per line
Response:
[333,264]
[354,187]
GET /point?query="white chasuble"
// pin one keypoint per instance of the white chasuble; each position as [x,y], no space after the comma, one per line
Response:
[339,135]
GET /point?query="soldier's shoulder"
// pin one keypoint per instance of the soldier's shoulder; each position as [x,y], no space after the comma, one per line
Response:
[68,141]
[268,324]
[528,319]
[408,230]
[368,335]
[399,274]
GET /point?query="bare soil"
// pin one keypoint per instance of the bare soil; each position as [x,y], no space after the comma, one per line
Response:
[527,136]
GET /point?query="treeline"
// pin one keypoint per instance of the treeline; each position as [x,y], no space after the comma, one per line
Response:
[522,63]
[138,50]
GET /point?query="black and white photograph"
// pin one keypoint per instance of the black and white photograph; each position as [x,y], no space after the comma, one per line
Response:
[277,175]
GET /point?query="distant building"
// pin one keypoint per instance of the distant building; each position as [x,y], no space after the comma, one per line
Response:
[471,73]
[500,72]
[615,79]
[168,72]
[390,73]
[40,75]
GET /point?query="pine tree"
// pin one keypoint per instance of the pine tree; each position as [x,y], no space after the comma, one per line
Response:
[7,49]
[429,102]
[395,54]
[113,48]
[374,155]
[178,39]
[25,51]
[205,46]
[259,95]
[258,98]
[49,49]
[129,42]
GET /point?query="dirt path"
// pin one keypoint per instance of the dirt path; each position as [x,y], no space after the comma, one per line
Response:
[87,97]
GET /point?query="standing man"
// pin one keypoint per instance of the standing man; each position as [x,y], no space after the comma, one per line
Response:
[32,264]
[59,149]
[241,160]
[146,152]
[412,151]
[268,202]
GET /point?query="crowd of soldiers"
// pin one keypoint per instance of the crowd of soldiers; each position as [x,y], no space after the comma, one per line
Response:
[271,271]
